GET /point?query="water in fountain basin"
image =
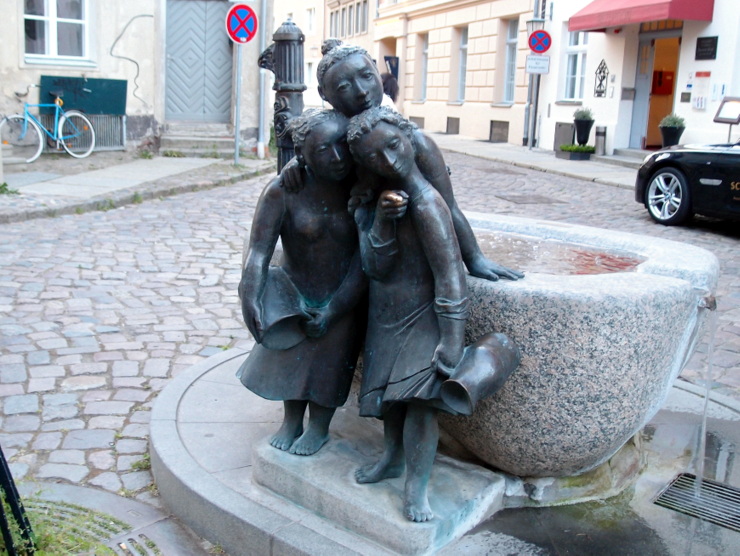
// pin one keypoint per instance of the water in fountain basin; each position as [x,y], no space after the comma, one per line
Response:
[531,254]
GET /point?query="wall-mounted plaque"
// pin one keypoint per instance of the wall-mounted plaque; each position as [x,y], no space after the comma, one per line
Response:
[706,48]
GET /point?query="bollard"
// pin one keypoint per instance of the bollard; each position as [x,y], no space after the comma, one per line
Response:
[600,144]
[285,59]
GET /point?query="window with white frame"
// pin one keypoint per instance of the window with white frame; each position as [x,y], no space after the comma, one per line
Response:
[333,28]
[363,25]
[350,20]
[512,32]
[56,28]
[575,68]
[310,20]
[343,23]
[462,64]
[423,56]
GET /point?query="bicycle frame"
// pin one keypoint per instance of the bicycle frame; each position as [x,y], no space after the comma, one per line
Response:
[55,128]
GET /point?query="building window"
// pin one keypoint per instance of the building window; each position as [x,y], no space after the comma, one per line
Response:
[575,72]
[512,33]
[423,65]
[363,26]
[309,74]
[462,63]
[350,20]
[343,23]
[56,29]
[358,18]
[310,20]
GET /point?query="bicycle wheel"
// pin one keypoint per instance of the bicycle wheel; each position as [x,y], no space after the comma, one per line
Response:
[24,138]
[76,134]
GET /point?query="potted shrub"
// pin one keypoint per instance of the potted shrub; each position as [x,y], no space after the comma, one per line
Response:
[671,128]
[584,121]
[575,152]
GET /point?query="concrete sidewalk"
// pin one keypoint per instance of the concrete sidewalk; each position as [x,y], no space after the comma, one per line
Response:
[539,159]
[63,185]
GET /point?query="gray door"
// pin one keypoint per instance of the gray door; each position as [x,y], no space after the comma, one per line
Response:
[199,61]
[643,82]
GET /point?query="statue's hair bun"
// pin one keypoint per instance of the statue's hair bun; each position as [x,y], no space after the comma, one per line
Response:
[328,45]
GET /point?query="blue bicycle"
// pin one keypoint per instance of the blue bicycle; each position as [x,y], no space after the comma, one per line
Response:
[71,130]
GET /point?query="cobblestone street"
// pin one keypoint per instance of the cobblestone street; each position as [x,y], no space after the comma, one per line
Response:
[99,310]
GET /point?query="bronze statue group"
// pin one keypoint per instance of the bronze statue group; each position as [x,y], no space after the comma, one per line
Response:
[373,250]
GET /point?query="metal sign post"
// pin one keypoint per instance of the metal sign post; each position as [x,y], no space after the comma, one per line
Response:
[241,26]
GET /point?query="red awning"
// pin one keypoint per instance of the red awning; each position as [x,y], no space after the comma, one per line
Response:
[601,14]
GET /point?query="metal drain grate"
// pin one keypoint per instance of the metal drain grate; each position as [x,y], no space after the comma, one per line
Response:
[717,503]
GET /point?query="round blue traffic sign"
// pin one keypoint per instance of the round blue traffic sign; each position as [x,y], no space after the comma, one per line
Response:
[241,23]
[540,41]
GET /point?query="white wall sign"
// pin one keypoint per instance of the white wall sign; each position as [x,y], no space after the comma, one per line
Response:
[538,64]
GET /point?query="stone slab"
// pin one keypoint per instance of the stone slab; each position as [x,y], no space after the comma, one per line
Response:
[461,495]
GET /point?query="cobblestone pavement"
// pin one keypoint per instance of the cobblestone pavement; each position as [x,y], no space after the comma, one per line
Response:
[99,310]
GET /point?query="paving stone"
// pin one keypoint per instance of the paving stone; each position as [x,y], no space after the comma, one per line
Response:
[28,403]
[156,367]
[64,425]
[41,385]
[137,480]
[129,446]
[88,368]
[108,481]
[136,430]
[103,459]
[72,473]
[13,372]
[108,408]
[15,440]
[11,389]
[125,368]
[76,383]
[132,395]
[125,463]
[38,358]
[88,439]
[46,371]
[21,423]
[76,457]
[48,441]
[106,422]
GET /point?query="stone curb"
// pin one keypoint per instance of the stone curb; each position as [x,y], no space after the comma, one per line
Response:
[719,399]
[133,195]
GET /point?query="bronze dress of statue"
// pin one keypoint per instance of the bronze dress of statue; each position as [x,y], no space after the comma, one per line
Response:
[418,303]
[350,82]
[321,266]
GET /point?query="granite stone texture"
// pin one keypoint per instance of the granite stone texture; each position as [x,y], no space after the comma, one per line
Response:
[599,352]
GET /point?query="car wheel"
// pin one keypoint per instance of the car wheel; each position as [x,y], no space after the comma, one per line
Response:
[667,197]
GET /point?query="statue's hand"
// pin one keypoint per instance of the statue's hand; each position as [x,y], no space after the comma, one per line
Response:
[392,205]
[291,177]
[318,324]
[252,313]
[485,268]
[446,357]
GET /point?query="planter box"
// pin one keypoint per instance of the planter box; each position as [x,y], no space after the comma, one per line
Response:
[568,155]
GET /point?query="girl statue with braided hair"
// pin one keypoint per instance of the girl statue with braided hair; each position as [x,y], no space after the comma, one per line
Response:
[418,302]
[320,274]
[349,81]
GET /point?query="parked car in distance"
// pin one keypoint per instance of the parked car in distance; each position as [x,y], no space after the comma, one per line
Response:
[677,182]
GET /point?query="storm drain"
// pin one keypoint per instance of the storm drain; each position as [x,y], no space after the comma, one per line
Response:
[717,503]
[75,525]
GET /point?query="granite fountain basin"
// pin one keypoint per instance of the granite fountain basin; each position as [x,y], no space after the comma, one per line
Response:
[605,326]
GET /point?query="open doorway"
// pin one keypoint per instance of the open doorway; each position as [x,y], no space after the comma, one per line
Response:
[655,89]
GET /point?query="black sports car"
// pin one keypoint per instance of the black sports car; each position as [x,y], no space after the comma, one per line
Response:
[677,182]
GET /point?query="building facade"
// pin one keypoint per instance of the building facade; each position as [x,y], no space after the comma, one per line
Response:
[165,61]
[463,66]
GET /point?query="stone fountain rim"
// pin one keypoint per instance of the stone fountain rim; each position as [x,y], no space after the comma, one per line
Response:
[697,265]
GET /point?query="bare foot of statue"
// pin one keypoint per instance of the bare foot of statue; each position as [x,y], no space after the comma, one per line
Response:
[385,468]
[283,439]
[415,503]
[310,442]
